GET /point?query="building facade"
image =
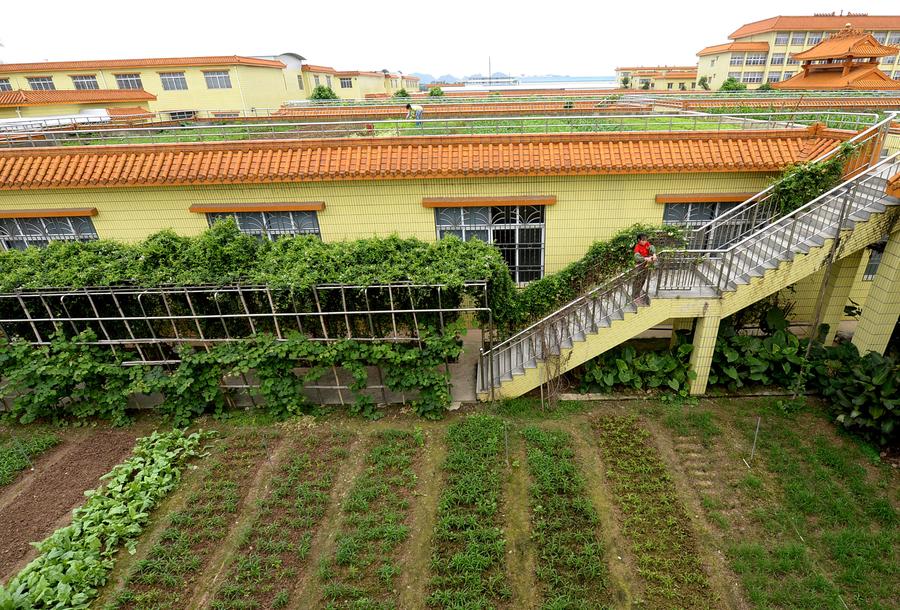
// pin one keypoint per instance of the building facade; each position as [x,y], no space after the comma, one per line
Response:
[658,78]
[762,51]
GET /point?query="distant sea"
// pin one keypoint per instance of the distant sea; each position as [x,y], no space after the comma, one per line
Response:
[551,82]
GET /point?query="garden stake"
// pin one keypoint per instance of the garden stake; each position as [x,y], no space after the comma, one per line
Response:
[753,449]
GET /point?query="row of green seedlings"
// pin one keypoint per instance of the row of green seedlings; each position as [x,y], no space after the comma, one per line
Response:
[17,452]
[165,578]
[571,570]
[655,521]
[75,561]
[468,546]
[362,571]
[276,545]
[826,534]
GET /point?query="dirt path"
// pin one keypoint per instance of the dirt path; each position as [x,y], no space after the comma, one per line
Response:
[521,555]
[413,585]
[42,502]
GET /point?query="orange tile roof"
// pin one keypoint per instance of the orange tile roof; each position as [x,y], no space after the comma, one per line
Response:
[817,22]
[330,70]
[153,62]
[846,44]
[20,97]
[862,76]
[411,158]
[129,111]
[734,46]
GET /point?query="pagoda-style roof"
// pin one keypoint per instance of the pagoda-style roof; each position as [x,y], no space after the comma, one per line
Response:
[860,76]
[847,44]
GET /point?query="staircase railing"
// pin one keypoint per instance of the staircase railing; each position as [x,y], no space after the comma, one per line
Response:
[757,244]
[732,226]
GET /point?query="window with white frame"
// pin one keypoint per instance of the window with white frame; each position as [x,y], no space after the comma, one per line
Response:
[517,231]
[798,38]
[181,115]
[814,38]
[889,60]
[896,75]
[218,79]
[271,225]
[752,77]
[129,81]
[19,233]
[774,77]
[41,83]
[173,81]
[346,83]
[777,59]
[881,37]
[872,265]
[756,59]
[300,81]
[84,82]
[787,75]
[792,62]
[328,81]
[737,59]
[894,39]
[734,75]
[781,38]
[5,85]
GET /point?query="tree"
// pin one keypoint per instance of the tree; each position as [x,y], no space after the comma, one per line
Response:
[732,84]
[401,93]
[645,85]
[765,87]
[323,93]
[704,83]
[626,82]
[436,92]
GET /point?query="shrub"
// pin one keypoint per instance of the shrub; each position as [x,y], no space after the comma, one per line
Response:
[322,92]
[767,86]
[624,367]
[435,92]
[401,93]
[732,84]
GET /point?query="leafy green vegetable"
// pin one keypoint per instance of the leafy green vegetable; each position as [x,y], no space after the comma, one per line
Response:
[15,451]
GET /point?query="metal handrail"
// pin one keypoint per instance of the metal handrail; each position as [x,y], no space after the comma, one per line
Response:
[765,193]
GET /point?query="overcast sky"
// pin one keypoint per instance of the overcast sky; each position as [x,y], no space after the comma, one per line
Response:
[579,38]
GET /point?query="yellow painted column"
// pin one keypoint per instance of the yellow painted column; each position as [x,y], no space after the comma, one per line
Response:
[680,324]
[879,315]
[837,291]
[705,331]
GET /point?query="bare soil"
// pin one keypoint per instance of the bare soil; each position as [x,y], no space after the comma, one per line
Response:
[35,506]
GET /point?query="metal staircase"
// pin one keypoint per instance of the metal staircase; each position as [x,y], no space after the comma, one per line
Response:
[722,256]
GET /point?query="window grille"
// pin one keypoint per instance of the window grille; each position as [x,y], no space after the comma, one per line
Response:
[517,231]
[173,81]
[271,225]
[129,81]
[872,265]
[217,80]
[19,233]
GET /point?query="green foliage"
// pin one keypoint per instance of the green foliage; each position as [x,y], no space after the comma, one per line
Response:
[74,561]
[603,260]
[766,86]
[322,92]
[645,85]
[732,84]
[623,367]
[571,568]
[740,360]
[469,548]
[435,92]
[626,82]
[703,83]
[17,450]
[401,93]
[802,183]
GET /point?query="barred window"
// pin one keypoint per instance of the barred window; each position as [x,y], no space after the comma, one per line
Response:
[271,225]
[346,83]
[5,84]
[756,59]
[777,59]
[217,80]
[173,81]
[129,81]
[41,83]
[737,59]
[19,233]
[781,38]
[872,265]
[517,231]
[84,82]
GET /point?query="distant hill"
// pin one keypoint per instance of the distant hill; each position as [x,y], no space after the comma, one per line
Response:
[424,78]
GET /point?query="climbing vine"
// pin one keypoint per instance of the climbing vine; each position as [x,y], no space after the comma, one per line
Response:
[802,183]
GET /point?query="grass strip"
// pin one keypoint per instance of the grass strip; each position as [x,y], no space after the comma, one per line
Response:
[571,568]
[655,521]
[75,561]
[469,546]
[17,451]
[829,536]
[164,579]
[277,543]
[361,573]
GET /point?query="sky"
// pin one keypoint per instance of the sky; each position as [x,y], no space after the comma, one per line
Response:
[577,38]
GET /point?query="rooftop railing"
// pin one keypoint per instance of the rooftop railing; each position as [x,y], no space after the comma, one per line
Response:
[674,122]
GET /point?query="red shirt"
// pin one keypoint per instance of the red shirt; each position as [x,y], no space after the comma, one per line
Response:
[643,249]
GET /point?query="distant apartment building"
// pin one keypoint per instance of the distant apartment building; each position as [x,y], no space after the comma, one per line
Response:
[763,51]
[658,78]
[178,88]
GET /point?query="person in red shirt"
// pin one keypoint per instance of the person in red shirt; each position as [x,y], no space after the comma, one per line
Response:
[644,257]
